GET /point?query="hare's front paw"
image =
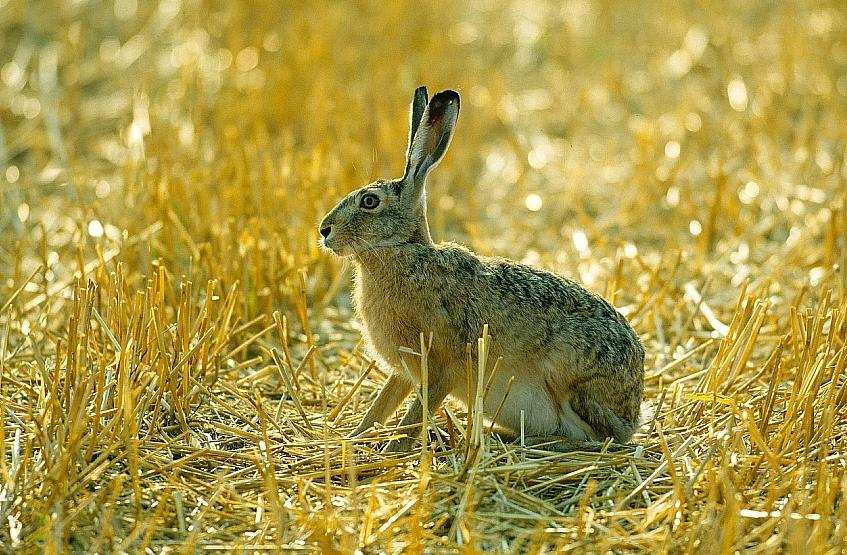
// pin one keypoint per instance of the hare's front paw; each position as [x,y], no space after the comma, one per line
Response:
[402,445]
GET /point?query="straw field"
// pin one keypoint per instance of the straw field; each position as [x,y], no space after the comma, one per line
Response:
[180,363]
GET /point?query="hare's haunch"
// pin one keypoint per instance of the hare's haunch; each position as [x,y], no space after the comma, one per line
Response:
[578,366]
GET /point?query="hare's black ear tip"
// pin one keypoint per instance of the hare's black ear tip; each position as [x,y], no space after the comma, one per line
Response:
[446,98]
[421,94]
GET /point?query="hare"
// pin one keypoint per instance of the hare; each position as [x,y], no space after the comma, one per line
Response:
[578,366]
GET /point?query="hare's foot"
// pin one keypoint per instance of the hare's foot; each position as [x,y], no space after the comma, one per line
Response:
[390,396]
[411,422]
[563,444]
[399,445]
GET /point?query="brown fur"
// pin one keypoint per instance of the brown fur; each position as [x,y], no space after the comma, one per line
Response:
[578,365]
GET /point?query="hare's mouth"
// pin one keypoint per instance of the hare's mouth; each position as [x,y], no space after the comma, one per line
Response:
[336,249]
[346,248]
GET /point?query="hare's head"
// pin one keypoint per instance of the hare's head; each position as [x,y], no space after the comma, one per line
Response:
[390,212]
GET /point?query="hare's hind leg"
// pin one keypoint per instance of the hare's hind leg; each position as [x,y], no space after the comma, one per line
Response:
[390,396]
[585,421]
[611,407]
[559,442]
[552,424]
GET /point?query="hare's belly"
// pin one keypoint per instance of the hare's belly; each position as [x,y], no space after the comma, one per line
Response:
[541,414]
[534,401]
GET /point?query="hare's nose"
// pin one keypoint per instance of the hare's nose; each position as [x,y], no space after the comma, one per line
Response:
[325,231]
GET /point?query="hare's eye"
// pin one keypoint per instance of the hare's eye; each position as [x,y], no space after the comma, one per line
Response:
[369,201]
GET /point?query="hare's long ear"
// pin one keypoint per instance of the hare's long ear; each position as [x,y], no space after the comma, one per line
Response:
[429,141]
[416,111]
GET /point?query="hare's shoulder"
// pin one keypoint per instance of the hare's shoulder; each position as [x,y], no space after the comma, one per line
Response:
[450,261]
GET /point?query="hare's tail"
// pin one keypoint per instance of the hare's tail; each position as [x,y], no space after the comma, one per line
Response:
[648,412]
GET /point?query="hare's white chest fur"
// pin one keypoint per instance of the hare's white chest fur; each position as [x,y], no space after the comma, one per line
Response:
[396,307]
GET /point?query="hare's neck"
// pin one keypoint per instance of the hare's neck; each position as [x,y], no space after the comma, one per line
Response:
[421,232]
[389,265]
[379,264]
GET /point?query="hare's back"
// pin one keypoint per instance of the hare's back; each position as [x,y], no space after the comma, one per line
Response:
[562,321]
[537,309]
[547,292]
[530,309]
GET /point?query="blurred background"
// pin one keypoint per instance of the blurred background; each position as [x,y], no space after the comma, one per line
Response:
[589,130]
[684,158]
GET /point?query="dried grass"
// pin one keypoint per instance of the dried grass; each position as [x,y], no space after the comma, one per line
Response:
[179,365]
